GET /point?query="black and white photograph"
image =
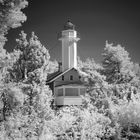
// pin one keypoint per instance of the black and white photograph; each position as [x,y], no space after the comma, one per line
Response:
[69,70]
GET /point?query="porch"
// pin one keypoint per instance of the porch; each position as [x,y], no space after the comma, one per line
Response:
[69,95]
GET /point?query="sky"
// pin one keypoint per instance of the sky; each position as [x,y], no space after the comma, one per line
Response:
[117,21]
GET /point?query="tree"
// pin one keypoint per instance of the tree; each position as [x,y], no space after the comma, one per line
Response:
[88,65]
[110,106]
[33,57]
[117,64]
[120,71]
[11,99]
[94,81]
[27,65]
[126,117]
[11,16]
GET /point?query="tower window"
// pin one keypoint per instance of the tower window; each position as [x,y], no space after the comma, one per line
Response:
[79,77]
[62,77]
[71,77]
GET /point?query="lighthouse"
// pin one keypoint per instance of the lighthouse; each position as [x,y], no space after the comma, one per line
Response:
[66,83]
[69,39]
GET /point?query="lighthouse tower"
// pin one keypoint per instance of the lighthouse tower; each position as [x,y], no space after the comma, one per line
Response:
[69,40]
[66,83]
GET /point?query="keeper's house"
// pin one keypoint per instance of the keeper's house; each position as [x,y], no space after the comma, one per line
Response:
[66,84]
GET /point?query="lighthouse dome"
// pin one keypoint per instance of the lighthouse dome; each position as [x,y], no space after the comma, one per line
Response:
[69,26]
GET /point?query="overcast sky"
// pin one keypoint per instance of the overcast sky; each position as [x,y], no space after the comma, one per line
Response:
[117,21]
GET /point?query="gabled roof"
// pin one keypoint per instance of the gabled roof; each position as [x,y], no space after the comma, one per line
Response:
[58,74]
[53,75]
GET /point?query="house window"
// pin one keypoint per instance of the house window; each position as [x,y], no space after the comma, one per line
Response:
[71,77]
[60,92]
[71,92]
[62,77]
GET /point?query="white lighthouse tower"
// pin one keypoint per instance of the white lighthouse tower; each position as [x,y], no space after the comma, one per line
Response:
[69,40]
[66,83]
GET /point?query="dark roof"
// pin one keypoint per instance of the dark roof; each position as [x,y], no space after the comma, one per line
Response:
[69,26]
[53,75]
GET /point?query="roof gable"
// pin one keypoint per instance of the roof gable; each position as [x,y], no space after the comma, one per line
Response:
[60,74]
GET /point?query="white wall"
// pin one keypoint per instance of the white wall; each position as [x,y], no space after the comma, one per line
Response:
[69,49]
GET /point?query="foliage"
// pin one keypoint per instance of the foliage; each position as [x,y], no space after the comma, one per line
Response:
[127,116]
[110,108]
[116,83]
[52,67]
[11,16]
[33,58]
[88,65]
[117,64]
[77,123]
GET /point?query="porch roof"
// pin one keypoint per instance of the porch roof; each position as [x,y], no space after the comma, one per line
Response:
[71,85]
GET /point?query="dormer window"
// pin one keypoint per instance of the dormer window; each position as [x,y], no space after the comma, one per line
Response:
[62,77]
[71,77]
